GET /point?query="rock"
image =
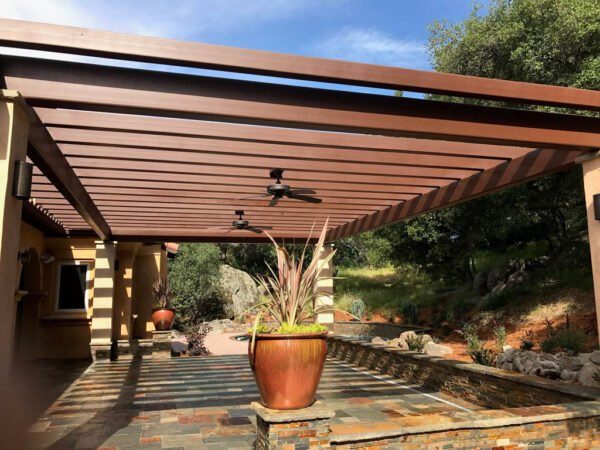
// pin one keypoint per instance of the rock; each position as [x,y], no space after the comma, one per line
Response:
[239,290]
[398,343]
[379,341]
[549,365]
[495,277]
[589,375]
[595,357]
[179,343]
[426,338]
[480,283]
[433,349]
[406,335]
[568,375]
[507,347]
[571,363]
[517,278]
[553,374]
[226,326]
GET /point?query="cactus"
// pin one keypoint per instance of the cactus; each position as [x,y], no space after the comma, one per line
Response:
[357,308]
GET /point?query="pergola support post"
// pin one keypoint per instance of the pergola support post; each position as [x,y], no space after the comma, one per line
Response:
[104,290]
[14,128]
[325,287]
[591,183]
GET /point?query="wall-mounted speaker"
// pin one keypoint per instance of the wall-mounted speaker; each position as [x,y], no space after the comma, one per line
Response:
[597,206]
[22,180]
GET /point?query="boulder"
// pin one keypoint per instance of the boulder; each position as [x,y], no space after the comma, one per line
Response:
[179,343]
[379,341]
[572,363]
[568,375]
[595,357]
[495,277]
[480,283]
[433,349]
[398,343]
[517,278]
[589,375]
[406,335]
[239,291]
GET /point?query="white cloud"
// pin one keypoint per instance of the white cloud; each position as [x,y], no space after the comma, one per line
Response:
[373,46]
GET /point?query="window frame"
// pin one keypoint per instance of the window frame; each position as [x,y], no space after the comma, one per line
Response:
[86,298]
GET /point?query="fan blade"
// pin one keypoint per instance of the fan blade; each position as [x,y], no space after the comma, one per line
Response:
[302,192]
[219,228]
[254,230]
[264,228]
[306,198]
[274,201]
[254,196]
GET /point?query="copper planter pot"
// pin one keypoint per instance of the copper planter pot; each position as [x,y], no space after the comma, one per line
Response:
[163,318]
[287,368]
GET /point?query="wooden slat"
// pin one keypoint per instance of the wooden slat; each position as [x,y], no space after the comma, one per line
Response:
[232,131]
[61,84]
[89,42]
[536,164]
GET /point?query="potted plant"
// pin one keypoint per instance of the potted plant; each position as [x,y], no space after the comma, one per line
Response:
[162,314]
[287,358]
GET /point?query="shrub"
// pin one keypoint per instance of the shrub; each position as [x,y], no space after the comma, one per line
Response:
[410,312]
[565,340]
[194,278]
[500,337]
[357,308]
[475,347]
[527,341]
[195,338]
[416,343]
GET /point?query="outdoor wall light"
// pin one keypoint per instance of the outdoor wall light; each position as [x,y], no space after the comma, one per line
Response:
[24,257]
[22,180]
[597,206]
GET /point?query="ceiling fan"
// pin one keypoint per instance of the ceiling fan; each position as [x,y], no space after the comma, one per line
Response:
[242,224]
[278,190]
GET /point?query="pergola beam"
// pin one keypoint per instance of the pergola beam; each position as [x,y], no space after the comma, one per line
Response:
[538,163]
[87,86]
[46,155]
[88,42]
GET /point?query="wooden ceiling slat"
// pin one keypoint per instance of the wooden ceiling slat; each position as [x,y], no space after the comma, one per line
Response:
[233,131]
[203,146]
[521,169]
[129,157]
[82,41]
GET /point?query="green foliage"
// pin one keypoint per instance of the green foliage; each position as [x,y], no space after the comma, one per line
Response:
[251,258]
[357,308]
[416,343]
[367,249]
[476,348]
[410,312]
[290,329]
[499,337]
[194,278]
[195,337]
[564,339]
[527,341]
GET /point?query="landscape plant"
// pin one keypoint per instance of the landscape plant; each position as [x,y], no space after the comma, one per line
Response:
[357,308]
[161,293]
[527,341]
[499,337]
[416,343]
[291,290]
[476,348]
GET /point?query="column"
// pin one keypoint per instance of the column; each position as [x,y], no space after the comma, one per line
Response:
[104,289]
[591,184]
[126,253]
[14,127]
[325,287]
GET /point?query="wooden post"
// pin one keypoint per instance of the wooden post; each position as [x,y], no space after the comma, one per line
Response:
[591,183]
[14,127]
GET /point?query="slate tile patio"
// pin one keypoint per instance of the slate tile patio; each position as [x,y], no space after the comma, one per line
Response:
[204,403]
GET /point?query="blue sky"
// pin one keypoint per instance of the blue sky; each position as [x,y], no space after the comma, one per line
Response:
[390,32]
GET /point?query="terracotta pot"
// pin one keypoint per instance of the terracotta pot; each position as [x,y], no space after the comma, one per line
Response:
[287,368]
[163,318]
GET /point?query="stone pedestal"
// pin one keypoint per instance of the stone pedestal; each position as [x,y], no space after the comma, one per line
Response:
[161,344]
[294,429]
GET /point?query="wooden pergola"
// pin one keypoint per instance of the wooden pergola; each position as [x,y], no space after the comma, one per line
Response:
[150,155]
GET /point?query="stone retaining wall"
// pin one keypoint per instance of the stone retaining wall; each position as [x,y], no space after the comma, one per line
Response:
[381,329]
[484,386]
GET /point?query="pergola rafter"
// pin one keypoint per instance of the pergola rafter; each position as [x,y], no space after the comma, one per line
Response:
[150,155]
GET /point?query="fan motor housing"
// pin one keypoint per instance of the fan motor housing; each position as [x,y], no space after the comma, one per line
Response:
[240,223]
[278,190]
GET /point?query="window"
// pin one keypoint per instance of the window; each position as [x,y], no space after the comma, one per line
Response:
[72,292]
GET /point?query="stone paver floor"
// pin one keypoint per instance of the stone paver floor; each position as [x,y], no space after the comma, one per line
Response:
[204,403]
